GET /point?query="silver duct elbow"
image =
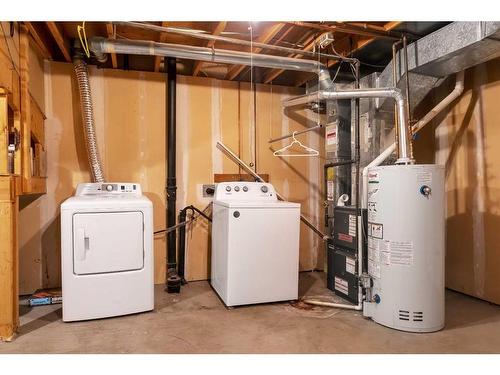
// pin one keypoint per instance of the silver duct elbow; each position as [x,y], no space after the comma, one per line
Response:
[82,77]
[395,93]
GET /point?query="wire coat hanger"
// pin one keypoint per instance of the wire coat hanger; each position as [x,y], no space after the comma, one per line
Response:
[282,151]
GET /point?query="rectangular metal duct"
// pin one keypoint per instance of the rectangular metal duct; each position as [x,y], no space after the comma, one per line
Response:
[451,49]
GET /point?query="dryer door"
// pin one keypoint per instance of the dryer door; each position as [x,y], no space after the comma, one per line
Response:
[107,242]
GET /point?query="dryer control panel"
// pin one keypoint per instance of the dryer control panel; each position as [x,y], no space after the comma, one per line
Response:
[108,188]
[245,191]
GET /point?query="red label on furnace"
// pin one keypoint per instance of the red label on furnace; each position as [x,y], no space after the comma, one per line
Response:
[344,237]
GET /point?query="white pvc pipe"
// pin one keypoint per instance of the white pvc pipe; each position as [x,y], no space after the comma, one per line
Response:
[455,93]
[358,307]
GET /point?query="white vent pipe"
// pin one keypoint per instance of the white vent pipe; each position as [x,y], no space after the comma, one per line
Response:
[100,46]
[456,92]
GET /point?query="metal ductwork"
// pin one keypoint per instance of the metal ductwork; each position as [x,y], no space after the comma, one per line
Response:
[449,50]
[394,93]
[82,77]
[101,45]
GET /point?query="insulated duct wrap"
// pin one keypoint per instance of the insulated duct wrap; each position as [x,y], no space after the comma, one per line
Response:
[82,77]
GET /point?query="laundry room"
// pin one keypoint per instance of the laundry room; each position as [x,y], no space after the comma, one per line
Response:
[249,187]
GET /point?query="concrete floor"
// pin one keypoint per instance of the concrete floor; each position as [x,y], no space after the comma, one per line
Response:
[197,322]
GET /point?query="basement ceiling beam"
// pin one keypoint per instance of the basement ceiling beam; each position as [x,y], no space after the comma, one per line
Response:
[268,35]
[163,39]
[308,39]
[344,47]
[39,39]
[367,30]
[61,41]
[217,31]
[111,35]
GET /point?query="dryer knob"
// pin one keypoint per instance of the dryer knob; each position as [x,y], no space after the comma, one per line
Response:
[245,188]
[109,187]
[228,188]
[263,188]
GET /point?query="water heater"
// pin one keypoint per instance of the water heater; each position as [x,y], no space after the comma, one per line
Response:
[406,246]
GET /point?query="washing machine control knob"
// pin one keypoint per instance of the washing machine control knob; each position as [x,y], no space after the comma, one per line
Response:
[228,188]
[263,188]
[109,187]
[245,188]
[236,188]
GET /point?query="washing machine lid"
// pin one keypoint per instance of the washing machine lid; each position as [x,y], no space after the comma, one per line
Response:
[258,204]
[105,242]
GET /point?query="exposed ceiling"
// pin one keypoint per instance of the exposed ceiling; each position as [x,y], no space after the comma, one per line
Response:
[369,41]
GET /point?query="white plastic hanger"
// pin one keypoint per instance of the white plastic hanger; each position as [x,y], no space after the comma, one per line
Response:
[282,151]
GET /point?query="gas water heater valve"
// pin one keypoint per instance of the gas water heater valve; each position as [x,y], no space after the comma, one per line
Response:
[425,190]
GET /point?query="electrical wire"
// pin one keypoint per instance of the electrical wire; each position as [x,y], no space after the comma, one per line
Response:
[83,38]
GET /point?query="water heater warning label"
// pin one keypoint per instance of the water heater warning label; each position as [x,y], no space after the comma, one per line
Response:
[376,230]
[401,252]
[424,178]
[373,269]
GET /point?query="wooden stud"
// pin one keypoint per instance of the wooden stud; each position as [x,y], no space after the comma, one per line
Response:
[163,39]
[9,263]
[39,40]
[111,35]
[217,31]
[4,132]
[61,42]
[267,36]
[25,110]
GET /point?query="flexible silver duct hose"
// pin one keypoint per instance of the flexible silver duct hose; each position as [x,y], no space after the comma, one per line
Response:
[82,77]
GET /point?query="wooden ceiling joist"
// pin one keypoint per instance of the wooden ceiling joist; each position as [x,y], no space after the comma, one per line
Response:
[308,39]
[163,39]
[61,41]
[266,37]
[346,48]
[341,27]
[217,31]
[111,35]
[39,39]
[51,39]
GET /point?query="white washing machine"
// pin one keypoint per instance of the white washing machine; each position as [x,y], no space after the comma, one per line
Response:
[255,244]
[107,251]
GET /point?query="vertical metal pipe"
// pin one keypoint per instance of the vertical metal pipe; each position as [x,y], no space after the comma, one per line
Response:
[395,81]
[407,83]
[171,187]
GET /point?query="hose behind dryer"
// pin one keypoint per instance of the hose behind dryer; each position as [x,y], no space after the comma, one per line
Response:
[82,77]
